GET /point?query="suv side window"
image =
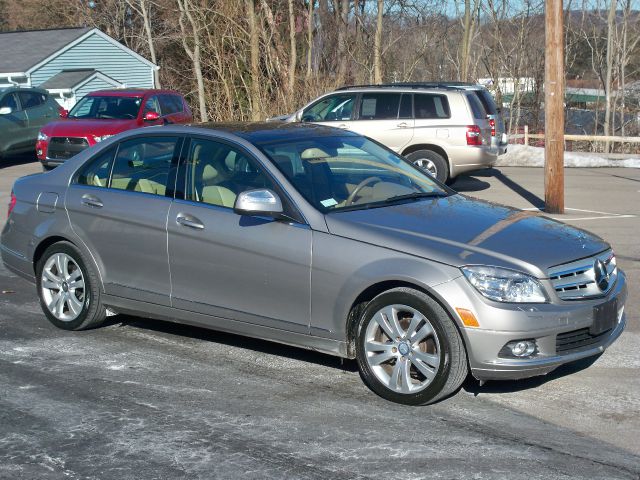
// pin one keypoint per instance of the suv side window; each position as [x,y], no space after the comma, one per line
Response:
[170,104]
[145,164]
[333,108]
[10,101]
[428,105]
[379,106]
[31,99]
[96,172]
[217,173]
[476,107]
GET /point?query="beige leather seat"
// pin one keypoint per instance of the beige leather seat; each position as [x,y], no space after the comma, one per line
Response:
[221,196]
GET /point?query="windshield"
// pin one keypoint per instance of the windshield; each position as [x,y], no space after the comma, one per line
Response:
[349,173]
[107,107]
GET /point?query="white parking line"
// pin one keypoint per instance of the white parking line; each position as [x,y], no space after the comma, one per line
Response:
[602,215]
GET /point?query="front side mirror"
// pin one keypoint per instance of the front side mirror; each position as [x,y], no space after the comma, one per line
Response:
[151,116]
[64,113]
[259,202]
[5,111]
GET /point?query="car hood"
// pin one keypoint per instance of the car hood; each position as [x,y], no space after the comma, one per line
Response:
[458,231]
[72,127]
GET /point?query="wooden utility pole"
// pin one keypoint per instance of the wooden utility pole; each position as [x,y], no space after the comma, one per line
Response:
[554,108]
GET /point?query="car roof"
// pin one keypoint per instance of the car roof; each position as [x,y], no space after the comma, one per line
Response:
[130,92]
[16,88]
[268,132]
[417,86]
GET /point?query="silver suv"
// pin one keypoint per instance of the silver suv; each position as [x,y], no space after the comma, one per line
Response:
[444,130]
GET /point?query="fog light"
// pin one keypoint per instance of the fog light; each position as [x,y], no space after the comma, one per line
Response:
[39,151]
[519,349]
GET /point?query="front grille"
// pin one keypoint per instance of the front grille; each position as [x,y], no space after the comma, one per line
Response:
[578,280]
[577,339]
[61,148]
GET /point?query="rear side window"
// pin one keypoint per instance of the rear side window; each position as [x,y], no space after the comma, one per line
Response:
[96,172]
[145,165]
[406,106]
[487,101]
[431,106]
[476,107]
[31,99]
[170,104]
[379,106]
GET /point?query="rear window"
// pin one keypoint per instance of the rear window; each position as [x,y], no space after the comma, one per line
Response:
[379,106]
[487,101]
[476,107]
[431,106]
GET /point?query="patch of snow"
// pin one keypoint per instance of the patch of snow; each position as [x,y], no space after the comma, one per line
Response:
[521,156]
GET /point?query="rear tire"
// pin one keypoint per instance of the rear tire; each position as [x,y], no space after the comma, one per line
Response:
[69,288]
[431,162]
[408,348]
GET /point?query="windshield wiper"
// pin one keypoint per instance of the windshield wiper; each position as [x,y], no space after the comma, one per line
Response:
[415,196]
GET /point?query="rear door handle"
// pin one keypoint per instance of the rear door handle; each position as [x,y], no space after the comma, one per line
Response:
[91,201]
[403,125]
[190,221]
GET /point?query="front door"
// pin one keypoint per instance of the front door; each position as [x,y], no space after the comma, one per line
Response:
[334,111]
[122,217]
[14,127]
[250,269]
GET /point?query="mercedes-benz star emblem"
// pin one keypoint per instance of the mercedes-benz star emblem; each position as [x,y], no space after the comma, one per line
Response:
[602,277]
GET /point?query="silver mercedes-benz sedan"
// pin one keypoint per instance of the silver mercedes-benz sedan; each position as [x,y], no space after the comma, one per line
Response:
[314,237]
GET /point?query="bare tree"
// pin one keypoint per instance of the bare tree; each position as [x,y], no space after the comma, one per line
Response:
[142,8]
[377,48]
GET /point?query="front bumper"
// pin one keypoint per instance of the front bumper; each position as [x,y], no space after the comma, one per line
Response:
[504,323]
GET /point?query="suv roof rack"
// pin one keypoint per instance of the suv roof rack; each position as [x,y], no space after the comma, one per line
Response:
[415,85]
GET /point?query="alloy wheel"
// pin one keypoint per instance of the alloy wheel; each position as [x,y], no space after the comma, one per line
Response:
[63,287]
[427,165]
[402,349]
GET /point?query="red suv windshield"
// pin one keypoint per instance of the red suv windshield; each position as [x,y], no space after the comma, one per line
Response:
[107,107]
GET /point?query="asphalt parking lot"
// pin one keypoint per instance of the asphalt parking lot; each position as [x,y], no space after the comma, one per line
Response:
[142,399]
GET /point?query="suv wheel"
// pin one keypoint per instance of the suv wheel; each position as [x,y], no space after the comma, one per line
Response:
[408,349]
[431,162]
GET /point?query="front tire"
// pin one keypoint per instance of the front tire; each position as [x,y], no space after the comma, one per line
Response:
[68,288]
[432,163]
[408,348]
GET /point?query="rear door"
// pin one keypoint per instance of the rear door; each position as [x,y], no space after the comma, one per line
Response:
[14,128]
[432,118]
[118,206]
[38,111]
[385,117]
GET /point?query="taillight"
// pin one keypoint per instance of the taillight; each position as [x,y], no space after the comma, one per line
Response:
[474,136]
[492,123]
[12,203]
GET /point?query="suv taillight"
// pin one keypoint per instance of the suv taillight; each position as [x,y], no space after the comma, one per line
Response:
[492,123]
[12,204]
[474,136]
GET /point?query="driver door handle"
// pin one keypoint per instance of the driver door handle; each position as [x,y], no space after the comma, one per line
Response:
[403,125]
[343,126]
[91,201]
[190,221]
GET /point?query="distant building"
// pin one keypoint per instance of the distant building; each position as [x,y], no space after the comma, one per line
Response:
[71,62]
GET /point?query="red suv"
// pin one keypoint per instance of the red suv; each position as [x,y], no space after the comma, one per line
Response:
[104,113]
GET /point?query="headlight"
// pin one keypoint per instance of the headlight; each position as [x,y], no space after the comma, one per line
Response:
[504,285]
[98,138]
[42,137]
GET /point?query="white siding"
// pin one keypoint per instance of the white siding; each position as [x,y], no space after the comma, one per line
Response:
[97,53]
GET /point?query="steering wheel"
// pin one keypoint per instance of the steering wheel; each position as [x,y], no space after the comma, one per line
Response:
[360,186]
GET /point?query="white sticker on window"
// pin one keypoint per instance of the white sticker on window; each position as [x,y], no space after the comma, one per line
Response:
[329,202]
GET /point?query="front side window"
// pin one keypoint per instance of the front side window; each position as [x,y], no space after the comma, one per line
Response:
[170,104]
[145,165]
[379,106]
[333,108]
[348,173]
[107,107]
[431,106]
[151,105]
[217,173]
[10,101]
[31,99]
